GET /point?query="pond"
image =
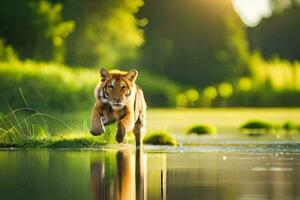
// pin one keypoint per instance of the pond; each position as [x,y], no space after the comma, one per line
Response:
[154,173]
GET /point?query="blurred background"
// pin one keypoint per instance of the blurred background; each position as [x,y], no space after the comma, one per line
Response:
[192,53]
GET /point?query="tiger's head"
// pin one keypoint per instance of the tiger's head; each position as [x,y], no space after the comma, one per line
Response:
[117,87]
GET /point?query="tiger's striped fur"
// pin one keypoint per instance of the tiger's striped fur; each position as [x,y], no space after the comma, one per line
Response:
[118,98]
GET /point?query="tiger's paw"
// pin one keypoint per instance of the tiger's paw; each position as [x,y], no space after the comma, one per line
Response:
[120,137]
[97,131]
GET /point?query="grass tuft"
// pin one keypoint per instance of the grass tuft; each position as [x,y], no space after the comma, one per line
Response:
[256,127]
[32,131]
[257,124]
[289,126]
[159,138]
[202,129]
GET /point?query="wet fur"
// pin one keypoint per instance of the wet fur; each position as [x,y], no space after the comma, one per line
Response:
[131,117]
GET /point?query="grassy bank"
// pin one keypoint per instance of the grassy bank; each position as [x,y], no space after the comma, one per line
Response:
[54,87]
[178,120]
[71,129]
[55,142]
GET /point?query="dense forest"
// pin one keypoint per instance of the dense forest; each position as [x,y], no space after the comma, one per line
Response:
[198,52]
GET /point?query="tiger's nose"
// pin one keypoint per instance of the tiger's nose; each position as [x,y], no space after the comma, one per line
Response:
[117,99]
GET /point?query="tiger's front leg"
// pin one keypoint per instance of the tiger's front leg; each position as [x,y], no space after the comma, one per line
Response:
[97,123]
[139,130]
[125,125]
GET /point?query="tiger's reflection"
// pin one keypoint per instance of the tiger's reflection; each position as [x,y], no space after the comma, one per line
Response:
[125,180]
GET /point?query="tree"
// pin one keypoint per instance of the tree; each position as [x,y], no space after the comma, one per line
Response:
[279,34]
[34,28]
[198,42]
[107,32]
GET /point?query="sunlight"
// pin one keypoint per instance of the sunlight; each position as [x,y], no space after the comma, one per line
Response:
[252,12]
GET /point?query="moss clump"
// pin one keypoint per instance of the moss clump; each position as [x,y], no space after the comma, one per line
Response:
[288,126]
[202,129]
[257,125]
[159,138]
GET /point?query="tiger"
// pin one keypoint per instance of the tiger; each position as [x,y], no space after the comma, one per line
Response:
[119,99]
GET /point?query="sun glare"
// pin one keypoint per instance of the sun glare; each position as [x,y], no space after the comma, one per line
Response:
[252,11]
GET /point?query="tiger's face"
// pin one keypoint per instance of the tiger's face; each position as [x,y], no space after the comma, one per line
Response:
[117,87]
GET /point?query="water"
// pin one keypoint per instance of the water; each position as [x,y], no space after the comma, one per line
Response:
[157,173]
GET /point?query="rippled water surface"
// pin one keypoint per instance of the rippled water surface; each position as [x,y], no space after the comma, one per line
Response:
[207,172]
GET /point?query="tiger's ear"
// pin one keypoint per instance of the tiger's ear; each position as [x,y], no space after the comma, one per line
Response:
[132,75]
[104,74]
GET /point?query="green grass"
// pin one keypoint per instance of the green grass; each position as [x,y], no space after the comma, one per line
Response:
[55,87]
[36,130]
[159,138]
[226,120]
[73,128]
[202,129]
[56,142]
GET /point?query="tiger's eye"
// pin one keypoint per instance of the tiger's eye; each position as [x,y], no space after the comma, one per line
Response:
[123,87]
[110,86]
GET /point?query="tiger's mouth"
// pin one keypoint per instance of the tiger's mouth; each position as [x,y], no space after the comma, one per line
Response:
[117,106]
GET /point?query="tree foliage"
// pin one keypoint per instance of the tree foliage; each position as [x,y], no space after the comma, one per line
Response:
[194,42]
[107,32]
[279,34]
[34,28]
